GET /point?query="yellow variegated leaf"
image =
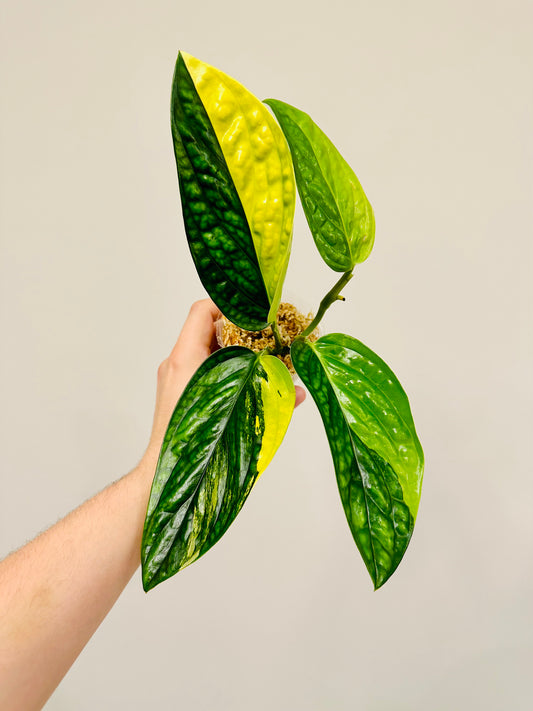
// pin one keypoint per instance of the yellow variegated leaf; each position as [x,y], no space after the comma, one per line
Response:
[278,396]
[259,161]
[226,427]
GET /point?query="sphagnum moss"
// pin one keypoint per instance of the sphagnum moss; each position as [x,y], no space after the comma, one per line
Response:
[291,324]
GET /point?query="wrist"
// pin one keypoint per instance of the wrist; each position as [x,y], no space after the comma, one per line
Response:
[148,463]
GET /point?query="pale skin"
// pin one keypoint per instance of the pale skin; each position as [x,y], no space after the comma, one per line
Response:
[57,589]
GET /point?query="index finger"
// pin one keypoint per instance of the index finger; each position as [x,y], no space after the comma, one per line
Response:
[199,327]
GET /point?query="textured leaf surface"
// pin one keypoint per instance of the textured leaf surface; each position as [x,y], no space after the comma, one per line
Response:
[377,456]
[237,191]
[339,215]
[225,430]
[260,164]
[217,229]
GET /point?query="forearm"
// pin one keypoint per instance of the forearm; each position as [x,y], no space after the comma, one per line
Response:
[56,590]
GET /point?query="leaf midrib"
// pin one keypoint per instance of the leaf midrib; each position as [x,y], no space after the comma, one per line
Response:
[353,446]
[227,275]
[188,504]
[354,455]
[409,426]
[337,207]
[176,98]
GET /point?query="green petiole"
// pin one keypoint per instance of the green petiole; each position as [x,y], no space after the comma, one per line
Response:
[330,298]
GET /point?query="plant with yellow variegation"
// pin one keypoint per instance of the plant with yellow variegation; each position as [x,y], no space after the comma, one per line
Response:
[237,165]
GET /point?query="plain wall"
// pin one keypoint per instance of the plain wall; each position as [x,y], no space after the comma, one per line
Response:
[431,103]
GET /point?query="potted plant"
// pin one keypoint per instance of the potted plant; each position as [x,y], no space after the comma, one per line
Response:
[239,161]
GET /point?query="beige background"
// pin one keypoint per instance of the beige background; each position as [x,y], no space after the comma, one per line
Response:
[431,103]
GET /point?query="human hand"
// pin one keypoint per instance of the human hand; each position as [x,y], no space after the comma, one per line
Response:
[196,342]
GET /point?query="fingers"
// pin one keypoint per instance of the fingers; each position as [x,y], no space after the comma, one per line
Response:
[197,339]
[198,332]
[300,395]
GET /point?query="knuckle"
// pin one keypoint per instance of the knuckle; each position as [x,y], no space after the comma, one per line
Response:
[174,360]
[199,306]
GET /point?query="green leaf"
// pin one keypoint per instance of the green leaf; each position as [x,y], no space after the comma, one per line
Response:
[215,223]
[225,430]
[237,191]
[377,456]
[339,215]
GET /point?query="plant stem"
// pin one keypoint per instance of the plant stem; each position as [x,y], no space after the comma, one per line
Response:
[280,346]
[330,298]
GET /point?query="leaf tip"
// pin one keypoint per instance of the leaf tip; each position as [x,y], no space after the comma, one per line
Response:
[148,580]
[148,572]
[379,583]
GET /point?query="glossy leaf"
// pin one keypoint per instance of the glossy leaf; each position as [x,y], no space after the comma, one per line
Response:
[216,226]
[377,456]
[237,189]
[260,164]
[225,430]
[338,212]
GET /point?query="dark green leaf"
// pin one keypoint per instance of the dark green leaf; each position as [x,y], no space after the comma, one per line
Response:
[377,456]
[217,229]
[339,215]
[224,431]
[259,161]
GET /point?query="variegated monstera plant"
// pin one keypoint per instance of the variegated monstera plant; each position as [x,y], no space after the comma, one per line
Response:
[237,164]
